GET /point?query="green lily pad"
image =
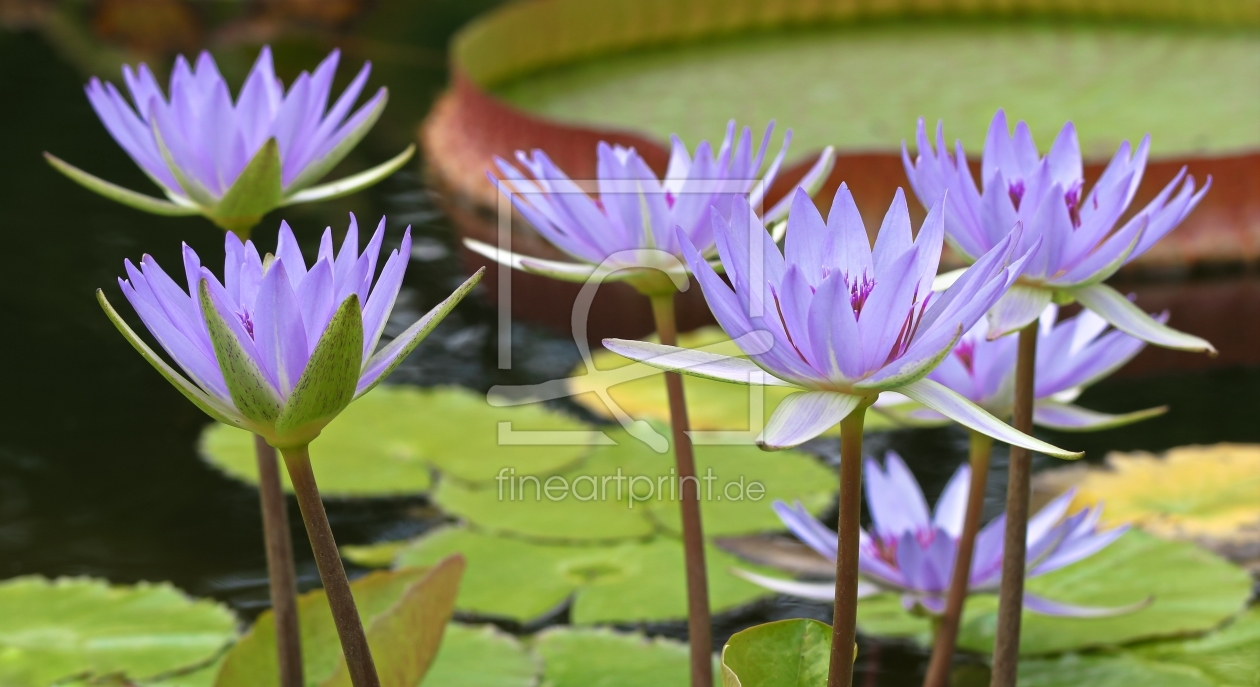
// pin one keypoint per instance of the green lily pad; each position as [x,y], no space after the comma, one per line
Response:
[56,629]
[786,653]
[390,441]
[1228,658]
[1193,590]
[481,656]
[628,582]
[582,657]
[639,390]
[252,662]
[625,491]
[862,87]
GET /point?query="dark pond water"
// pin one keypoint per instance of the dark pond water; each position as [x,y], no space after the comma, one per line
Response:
[98,468]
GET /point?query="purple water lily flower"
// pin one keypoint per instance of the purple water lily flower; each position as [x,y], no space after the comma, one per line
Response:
[838,319]
[234,161]
[1071,354]
[630,228]
[1080,246]
[911,551]
[277,347]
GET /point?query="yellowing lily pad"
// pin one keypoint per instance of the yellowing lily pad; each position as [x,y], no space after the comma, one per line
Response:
[403,611]
[628,582]
[1227,658]
[627,491]
[1193,591]
[52,630]
[390,441]
[639,391]
[1189,492]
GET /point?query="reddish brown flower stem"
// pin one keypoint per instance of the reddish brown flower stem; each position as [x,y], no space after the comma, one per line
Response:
[699,620]
[844,618]
[327,558]
[280,571]
[1018,488]
[947,628]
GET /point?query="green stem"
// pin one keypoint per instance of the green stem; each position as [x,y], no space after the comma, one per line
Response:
[345,614]
[699,621]
[280,572]
[1018,488]
[844,619]
[946,635]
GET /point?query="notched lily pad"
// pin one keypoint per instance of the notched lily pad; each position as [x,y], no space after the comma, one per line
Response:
[627,582]
[57,629]
[481,656]
[628,491]
[1227,658]
[1193,590]
[639,390]
[390,441]
[581,657]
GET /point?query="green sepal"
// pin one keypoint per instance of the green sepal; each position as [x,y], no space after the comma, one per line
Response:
[254,193]
[327,384]
[317,169]
[254,397]
[405,343]
[207,403]
[117,193]
[353,183]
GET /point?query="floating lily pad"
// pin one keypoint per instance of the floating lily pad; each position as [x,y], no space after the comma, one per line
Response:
[626,490]
[1191,492]
[481,656]
[786,653]
[388,442]
[425,605]
[576,657]
[1228,658]
[1193,591]
[628,582]
[56,629]
[639,390]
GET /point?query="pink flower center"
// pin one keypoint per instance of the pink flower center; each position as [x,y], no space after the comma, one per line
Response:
[1073,199]
[246,322]
[669,199]
[965,351]
[1016,191]
[859,291]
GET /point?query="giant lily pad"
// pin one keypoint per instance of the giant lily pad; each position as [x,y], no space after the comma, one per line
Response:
[626,490]
[639,391]
[52,630]
[1200,493]
[580,657]
[1193,591]
[1228,658]
[628,582]
[388,442]
[860,87]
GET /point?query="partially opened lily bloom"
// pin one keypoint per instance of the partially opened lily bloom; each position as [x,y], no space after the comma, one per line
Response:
[630,227]
[277,348]
[1080,244]
[1071,354]
[234,161]
[838,319]
[911,551]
